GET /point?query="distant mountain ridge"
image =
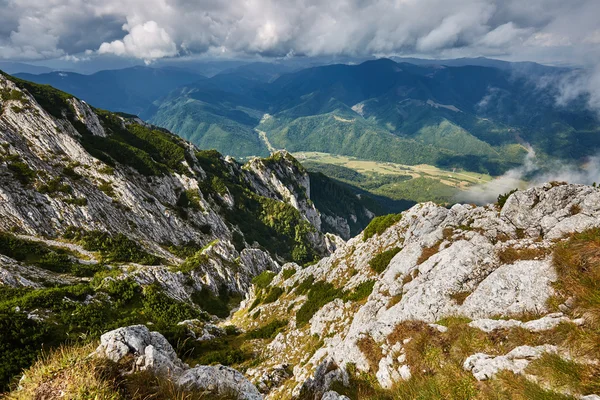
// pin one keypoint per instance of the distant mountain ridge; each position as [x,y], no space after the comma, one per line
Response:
[473,114]
[468,116]
[131,90]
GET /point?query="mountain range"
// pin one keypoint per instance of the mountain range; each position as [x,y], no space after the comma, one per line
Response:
[473,114]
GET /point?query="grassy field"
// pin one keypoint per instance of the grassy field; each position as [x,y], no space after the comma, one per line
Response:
[413,183]
[458,178]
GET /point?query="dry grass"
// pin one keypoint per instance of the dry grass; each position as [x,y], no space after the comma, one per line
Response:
[394,300]
[577,262]
[371,350]
[436,359]
[511,255]
[567,375]
[409,277]
[70,372]
[447,233]
[460,297]
[575,209]
[428,252]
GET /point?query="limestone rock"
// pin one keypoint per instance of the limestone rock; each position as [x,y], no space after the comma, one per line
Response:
[333,395]
[150,350]
[484,366]
[219,380]
[545,323]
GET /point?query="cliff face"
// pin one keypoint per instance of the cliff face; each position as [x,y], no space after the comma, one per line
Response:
[82,171]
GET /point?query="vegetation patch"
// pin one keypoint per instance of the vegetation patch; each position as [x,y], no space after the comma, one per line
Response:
[510,255]
[378,225]
[264,279]
[460,297]
[268,331]
[113,247]
[21,172]
[220,304]
[503,197]
[371,350]
[319,294]
[361,292]
[427,252]
[381,261]
[288,273]
[43,256]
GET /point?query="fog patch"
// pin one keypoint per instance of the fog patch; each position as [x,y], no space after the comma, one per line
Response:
[533,173]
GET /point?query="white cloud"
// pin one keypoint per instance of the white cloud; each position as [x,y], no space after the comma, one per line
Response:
[147,41]
[164,28]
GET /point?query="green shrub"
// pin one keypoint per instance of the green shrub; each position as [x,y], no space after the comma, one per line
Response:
[78,201]
[264,279]
[107,188]
[69,171]
[268,331]
[503,197]
[288,273]
[380,262]
[378,225]
[113,248]
[320,294]
[165,311]
[55,186]
[22,172]
[218,305]
[361,292]
[273,295]
[305,285]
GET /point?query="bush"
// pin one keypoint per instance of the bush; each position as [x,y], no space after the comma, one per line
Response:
[503,197]
[113,248]
[273,295]
[264,279]
[380,262]
[320,294]
[361,292]
[288,273]
[268,331]
[55,186]
[215,304]
[22,172]
[378,225]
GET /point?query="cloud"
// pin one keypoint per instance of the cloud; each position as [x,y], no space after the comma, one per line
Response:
[544,29]
[147,41]
[530,174]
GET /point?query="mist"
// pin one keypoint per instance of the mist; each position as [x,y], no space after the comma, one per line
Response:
[533,173]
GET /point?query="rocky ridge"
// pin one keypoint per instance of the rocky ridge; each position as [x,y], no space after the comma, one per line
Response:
[63,186]
[487,265]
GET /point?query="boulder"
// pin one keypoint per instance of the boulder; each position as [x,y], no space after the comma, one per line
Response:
[150,350]
[484,366]
[219,380]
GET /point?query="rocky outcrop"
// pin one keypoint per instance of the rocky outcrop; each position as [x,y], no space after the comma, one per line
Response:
[150,351]
[474,262]
[287,182]
[219,380]
[545,323]
[484,366]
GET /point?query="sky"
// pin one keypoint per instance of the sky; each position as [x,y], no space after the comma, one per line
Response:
[75,31]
